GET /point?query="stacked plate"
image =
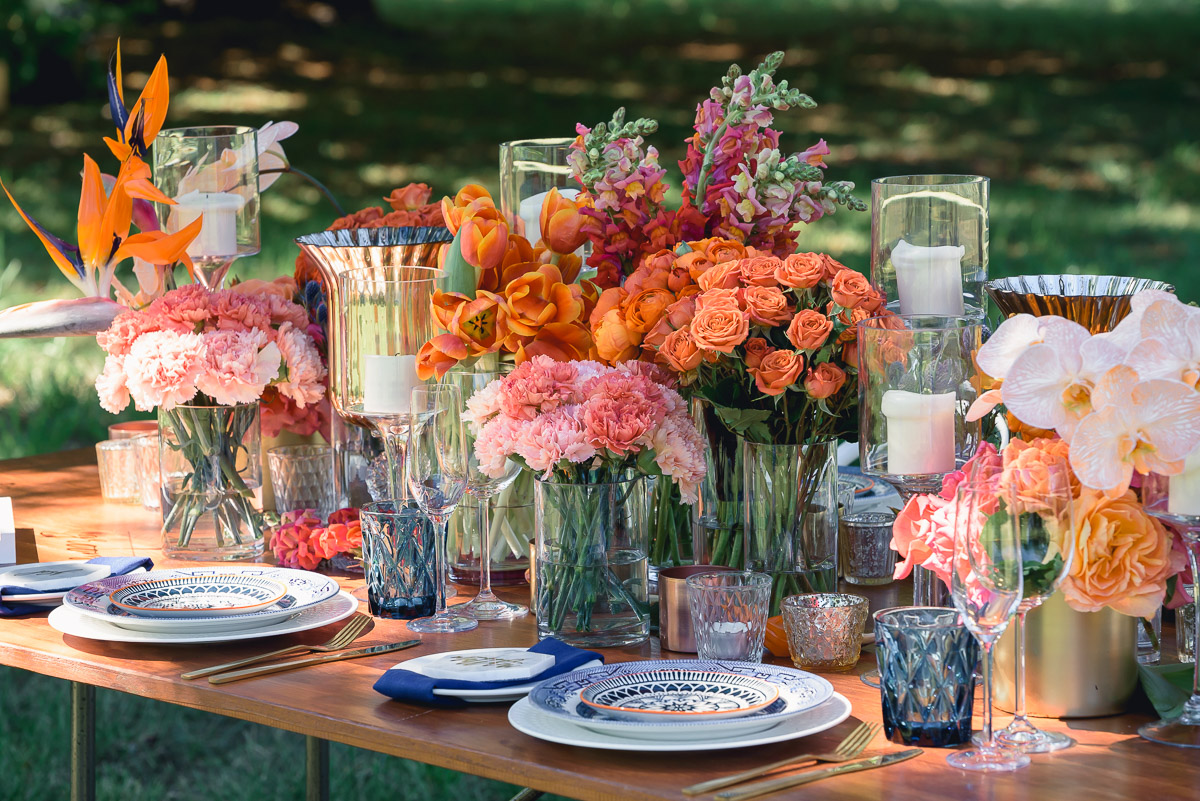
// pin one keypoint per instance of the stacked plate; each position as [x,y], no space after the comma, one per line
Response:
[202,604]
[683,705]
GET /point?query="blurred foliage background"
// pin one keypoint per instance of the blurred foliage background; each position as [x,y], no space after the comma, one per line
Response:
[1083,112]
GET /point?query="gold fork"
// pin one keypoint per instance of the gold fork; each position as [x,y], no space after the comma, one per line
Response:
[348,634]
[846,750]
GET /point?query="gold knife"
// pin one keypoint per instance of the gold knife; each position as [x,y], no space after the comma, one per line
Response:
[238,675]
[772,785]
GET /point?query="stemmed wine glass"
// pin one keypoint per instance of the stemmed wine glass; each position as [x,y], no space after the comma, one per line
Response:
[985,583]
[1174,501]
[1043,495]
[437,477]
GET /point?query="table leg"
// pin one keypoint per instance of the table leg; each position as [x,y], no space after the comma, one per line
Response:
[316,753]
[527,794]
[83,742]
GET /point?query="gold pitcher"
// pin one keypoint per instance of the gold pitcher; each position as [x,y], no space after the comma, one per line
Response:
[1077,664]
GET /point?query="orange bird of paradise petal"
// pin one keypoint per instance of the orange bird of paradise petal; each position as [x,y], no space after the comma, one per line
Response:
[137,127]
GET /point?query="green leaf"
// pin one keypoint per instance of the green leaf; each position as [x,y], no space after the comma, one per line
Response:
[1167,687]
[740,420]
[458,275]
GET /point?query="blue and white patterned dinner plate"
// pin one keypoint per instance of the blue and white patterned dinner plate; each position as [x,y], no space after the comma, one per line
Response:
[679,694]
[798,692]
[195,596]
[304,589]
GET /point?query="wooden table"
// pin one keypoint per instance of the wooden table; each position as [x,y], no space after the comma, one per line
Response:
[58,497]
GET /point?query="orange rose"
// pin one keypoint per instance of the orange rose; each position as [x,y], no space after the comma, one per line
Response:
[757,349]
[656,336]
[539,298]
[484,239]
[681,312]
[824,381]
[778,370]
[801,270]
[718,298]
[809,329]
[721,276]
[832,266]
[696,263]
[660,260]
[851,319]
[759,271]
[679,279]
[611,298]
[407,198]
[644,309]
[850,353]
[561,223]
[767,305]
[615,343]
[680,352]
[724,250]
[720,329]
[438,355]
[849,288]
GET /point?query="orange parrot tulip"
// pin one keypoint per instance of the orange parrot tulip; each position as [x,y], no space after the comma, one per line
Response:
[560,341]
[484,238]
[539,298]
[561,223]
[438,355]
[136,128]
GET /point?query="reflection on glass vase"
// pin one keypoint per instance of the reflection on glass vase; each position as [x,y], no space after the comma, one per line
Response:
[718,516]
[592,568]
[211,469]
[791,516]
[511,515]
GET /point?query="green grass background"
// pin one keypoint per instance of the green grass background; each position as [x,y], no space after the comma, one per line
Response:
[1083,112]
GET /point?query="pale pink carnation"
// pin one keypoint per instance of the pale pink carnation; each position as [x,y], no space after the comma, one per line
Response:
[537,386]
[125,328]
[237,311]
[162,367]
[484,404]
[284,311]
[183,310]
[110,385]
[238,366]
[497,441]
[679,453]
[305,381]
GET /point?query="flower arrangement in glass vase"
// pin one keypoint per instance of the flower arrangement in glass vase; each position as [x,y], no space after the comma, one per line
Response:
[303,541]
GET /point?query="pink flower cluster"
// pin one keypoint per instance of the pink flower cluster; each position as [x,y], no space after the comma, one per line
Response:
[555,415]
[300,540]
[227,345]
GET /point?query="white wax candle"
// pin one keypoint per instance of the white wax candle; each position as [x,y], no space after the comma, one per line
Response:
[929,280]
[920,432]
[530,213]
[218,232]
[1184,489]
[388,382]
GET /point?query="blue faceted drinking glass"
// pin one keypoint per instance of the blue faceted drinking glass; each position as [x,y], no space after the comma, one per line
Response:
[398,558]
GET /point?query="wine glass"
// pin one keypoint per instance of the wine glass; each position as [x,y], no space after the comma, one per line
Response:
[985,583]
[1044,496]
[437,477]
[1175,501]
[485,605]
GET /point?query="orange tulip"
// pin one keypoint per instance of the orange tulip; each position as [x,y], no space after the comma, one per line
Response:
[539,298]
[445,304]
[484,239]
[591,298]
[562,342]
[438,355]
[561,223]
[137,127]
[469,199]
[615,343]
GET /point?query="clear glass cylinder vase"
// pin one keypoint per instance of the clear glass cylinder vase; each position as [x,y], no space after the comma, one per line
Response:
[211,470]
[718,515]
[592,567]
[791,516]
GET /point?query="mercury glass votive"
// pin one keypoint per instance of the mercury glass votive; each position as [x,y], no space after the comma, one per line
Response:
[825,630]
[864,543]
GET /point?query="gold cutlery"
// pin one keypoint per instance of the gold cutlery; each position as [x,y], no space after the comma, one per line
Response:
[846,750]
[371,650]
[348,634]
[787,782]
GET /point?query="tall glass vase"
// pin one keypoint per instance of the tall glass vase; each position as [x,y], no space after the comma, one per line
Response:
[791,516]
[718,516]
[670,528]
[211,471]
[592,568]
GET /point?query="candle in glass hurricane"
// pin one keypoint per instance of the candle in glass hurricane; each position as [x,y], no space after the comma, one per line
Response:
[388,382]
[929,279]
[529,169]
[920,432]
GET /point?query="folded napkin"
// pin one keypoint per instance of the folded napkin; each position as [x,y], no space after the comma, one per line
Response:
[119,565]
[405,685]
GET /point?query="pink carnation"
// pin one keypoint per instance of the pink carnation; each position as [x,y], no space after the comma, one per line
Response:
[496,442]
[238,366]
[555,437]
[125,328]
[305,381]
[184,310]
[279,413]
[110,385]
[484,404]
[284,311]
[537,386]
[923,534]
[237,311]
[679,453]
[622,426]
[162,367]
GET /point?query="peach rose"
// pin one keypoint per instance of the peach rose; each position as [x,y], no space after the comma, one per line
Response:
[644,309]
[1123,556]
[660,260]
[1039,473]
[718,299]
[824,381]
[809,329]
[759,270]
[656,336]
[767,305]
[801,270]
[644,278]
[680,352]
[777,371]
[720,329]
[757,349]
[615,343]
[722,276]
[832,266]
[696,263]
[408,197]
[681,312]
[611,298]
[851,318]
[849,288]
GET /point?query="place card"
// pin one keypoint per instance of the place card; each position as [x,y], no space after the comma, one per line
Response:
[488,664]
[8,533]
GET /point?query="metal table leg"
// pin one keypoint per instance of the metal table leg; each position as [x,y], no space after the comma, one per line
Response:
[316,753]
[83,742]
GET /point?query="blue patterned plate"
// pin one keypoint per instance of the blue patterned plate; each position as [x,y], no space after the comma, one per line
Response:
[798,692]
[192,596]
[680,694]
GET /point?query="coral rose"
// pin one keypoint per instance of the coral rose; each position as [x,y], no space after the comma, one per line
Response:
[722,276]
[1123,556]
[809,329]
[611,298]
[767,305]
[759,270]
[407,198]
[824,381]
[614,341]
[680,352]
[757,349]
[849,288]
[644,309]
[681,312]
[720,329]
[777,371]
[801,270]
[718,299]
[832,266]
[660,260]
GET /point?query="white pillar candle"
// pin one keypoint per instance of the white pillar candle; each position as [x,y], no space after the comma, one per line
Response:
[218,232]
[530,213]
[920,432]
[1183,490]
[388,382]
[929,280]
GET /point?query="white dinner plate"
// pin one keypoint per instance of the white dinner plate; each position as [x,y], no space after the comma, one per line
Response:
[52,575]
[528,719]
[494,695]
[71,621]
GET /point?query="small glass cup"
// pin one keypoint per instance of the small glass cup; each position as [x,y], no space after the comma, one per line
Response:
[825,630]
[864,539]
[149,478]
[398,559]
[729,614]
[302,477]
[132,428]
[118,470]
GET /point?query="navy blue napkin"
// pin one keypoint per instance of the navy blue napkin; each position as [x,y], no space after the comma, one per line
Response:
[405,685]
[119,565]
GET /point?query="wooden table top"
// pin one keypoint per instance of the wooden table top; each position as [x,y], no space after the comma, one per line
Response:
[60,515]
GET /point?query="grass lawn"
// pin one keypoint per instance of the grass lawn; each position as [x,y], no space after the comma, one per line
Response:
[1083,112]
